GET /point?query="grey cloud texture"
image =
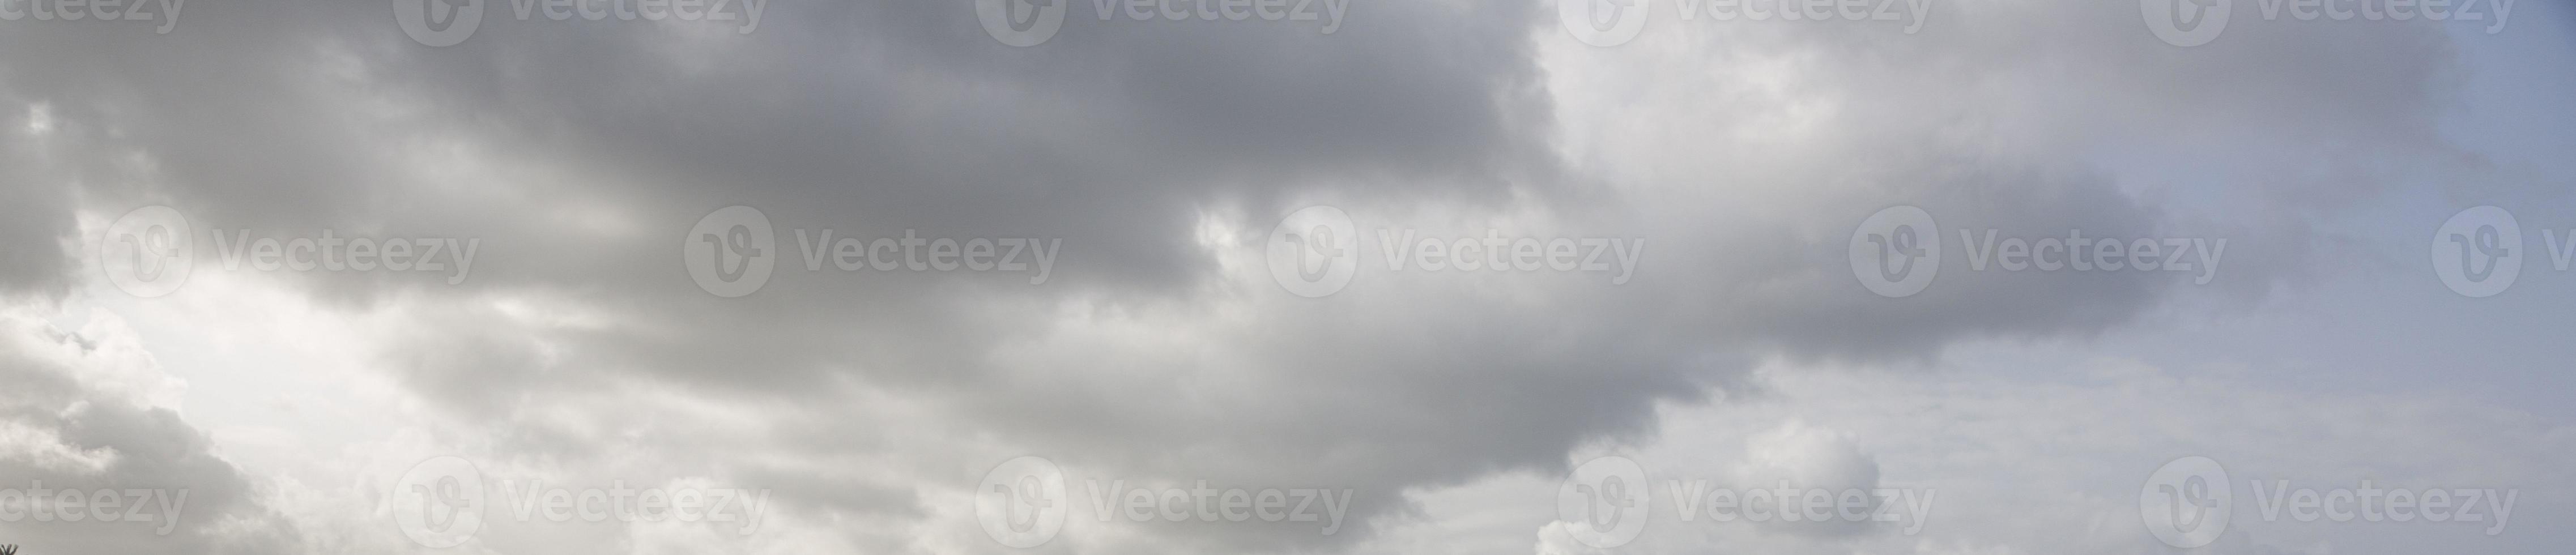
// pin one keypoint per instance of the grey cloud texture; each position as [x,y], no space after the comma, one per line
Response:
[84,413]
[581,152]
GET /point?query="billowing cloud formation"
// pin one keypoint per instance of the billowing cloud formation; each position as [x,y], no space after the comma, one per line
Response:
[1160,153]
[90,412]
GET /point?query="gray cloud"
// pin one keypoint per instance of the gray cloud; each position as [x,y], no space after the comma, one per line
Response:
[79,420]
[580,152]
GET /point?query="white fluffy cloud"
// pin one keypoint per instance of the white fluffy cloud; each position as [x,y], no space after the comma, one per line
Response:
[2048,465]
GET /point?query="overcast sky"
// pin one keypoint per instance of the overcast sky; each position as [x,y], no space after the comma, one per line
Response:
[1439,276]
